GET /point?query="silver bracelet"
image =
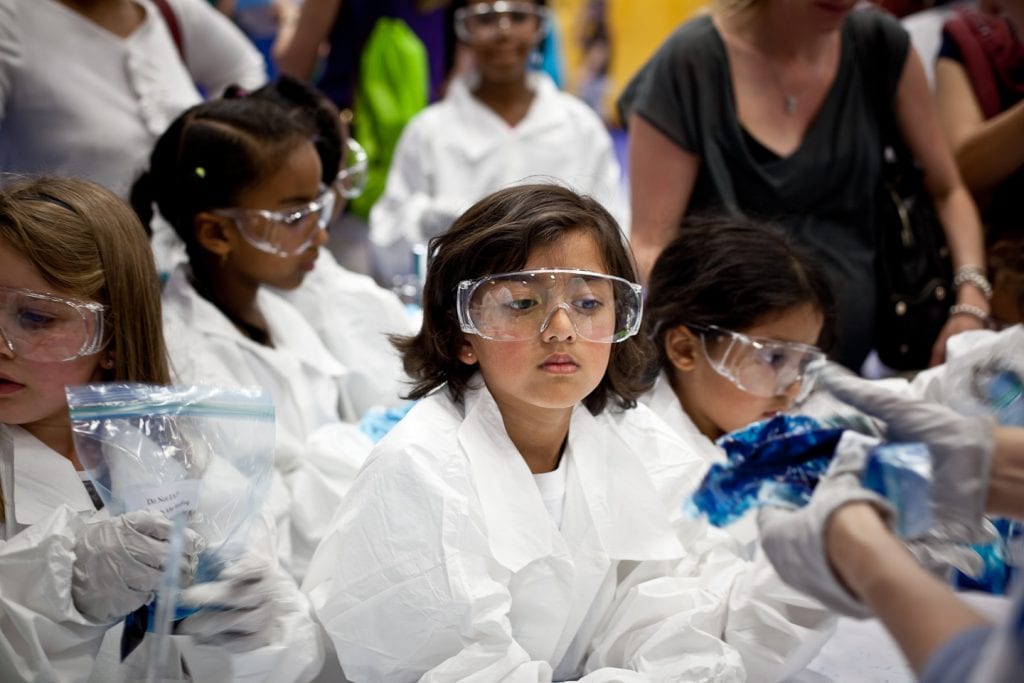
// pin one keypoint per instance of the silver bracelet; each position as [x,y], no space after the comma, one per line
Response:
[971,310]
[975,276]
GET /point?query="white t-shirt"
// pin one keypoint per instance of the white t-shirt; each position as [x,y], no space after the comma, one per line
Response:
[552,490]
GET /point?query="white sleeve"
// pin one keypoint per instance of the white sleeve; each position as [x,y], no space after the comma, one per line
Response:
[10,52]
[711,616]
[297,652]
[605,173]
[409,209]
[217,53]
[404,579]
[42,635]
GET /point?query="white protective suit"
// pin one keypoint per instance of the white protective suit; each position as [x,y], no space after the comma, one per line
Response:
[43,637]
[458,150]
[443,563]
[353,316]
[664,402]
[317,452]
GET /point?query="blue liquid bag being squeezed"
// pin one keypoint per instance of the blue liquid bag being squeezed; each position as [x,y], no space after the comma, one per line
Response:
[776,460]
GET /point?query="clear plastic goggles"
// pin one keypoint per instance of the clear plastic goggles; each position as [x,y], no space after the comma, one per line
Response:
[762,367]
[284,233]
[47,328]
[518,306]
[484,22]
[351,180]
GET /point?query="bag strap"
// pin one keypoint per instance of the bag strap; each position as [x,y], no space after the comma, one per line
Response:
[983,43]
[172,25]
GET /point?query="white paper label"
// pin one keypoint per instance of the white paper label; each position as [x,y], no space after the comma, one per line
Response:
[170,499]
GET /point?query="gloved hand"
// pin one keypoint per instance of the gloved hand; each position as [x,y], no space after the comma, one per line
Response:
[119,561]
[794,538]
[961,447]
[937,553]
[237,610]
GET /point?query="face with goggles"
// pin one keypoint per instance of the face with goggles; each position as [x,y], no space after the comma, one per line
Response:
[542,336]
[48,339]
[727,379]
[501,36]
[280,223]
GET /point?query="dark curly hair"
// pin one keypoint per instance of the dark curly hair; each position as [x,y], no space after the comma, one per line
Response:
[497,235]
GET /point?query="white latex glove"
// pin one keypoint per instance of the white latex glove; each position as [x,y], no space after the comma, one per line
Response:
[961,448]
[237,610]
[119,561]
[794,538]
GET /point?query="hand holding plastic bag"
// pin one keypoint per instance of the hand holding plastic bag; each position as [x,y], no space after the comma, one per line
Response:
[119,562]
[794,538]
[961,448]
[236,611]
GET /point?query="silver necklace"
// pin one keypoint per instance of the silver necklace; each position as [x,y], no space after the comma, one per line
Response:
[790,100]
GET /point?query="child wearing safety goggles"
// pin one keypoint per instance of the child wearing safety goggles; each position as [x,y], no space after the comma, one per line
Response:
[736,311]
[80,303]
[240,181]
[499,122]
[523,521]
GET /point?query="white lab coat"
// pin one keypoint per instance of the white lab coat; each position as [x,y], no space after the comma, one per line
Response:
[354,316]
[443,563]
[317,452]
[43,637]
[664,402]
[458,150]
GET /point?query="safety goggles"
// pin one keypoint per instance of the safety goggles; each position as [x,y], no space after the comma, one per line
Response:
[484,22]
[284,233]
[351,180]
[47,328]
[762,367]
[518,306]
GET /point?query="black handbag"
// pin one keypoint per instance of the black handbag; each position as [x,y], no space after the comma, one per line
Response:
[913,269]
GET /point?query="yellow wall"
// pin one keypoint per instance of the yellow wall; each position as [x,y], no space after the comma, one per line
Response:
[636,27]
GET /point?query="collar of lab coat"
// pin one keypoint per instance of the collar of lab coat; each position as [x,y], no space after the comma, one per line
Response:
[43,480]
[205,318]
[485,132]
[663,401]
[620,498]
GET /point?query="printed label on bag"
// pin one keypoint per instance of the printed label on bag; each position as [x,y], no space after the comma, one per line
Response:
[170,499]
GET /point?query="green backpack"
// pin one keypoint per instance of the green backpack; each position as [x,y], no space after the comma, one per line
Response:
[394,83]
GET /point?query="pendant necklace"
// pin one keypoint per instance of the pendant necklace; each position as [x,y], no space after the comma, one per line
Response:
[790,100]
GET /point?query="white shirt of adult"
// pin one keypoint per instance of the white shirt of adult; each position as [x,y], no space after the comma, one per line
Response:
[43,637]
[77,100]
[317,452]
[459,150]
[443,562]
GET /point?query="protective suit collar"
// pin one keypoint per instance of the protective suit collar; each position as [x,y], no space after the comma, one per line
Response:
[618,499]
[205,318]
[43,480]
[490,132]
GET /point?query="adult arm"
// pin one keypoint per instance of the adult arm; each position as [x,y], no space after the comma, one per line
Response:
[919,611]
[987,152]
[961,224]
[296,49]
[217,53]
[661,179]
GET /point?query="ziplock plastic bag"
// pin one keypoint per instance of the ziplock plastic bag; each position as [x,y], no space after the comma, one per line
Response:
[203,452]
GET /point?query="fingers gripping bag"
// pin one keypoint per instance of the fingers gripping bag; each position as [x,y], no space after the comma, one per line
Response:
[201,455]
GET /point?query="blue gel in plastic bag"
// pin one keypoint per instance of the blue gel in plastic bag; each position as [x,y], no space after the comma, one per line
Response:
[778,460]
[901,473]
[1003,392]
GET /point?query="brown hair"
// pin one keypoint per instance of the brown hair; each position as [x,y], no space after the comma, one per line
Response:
[84,240]
[497,235]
